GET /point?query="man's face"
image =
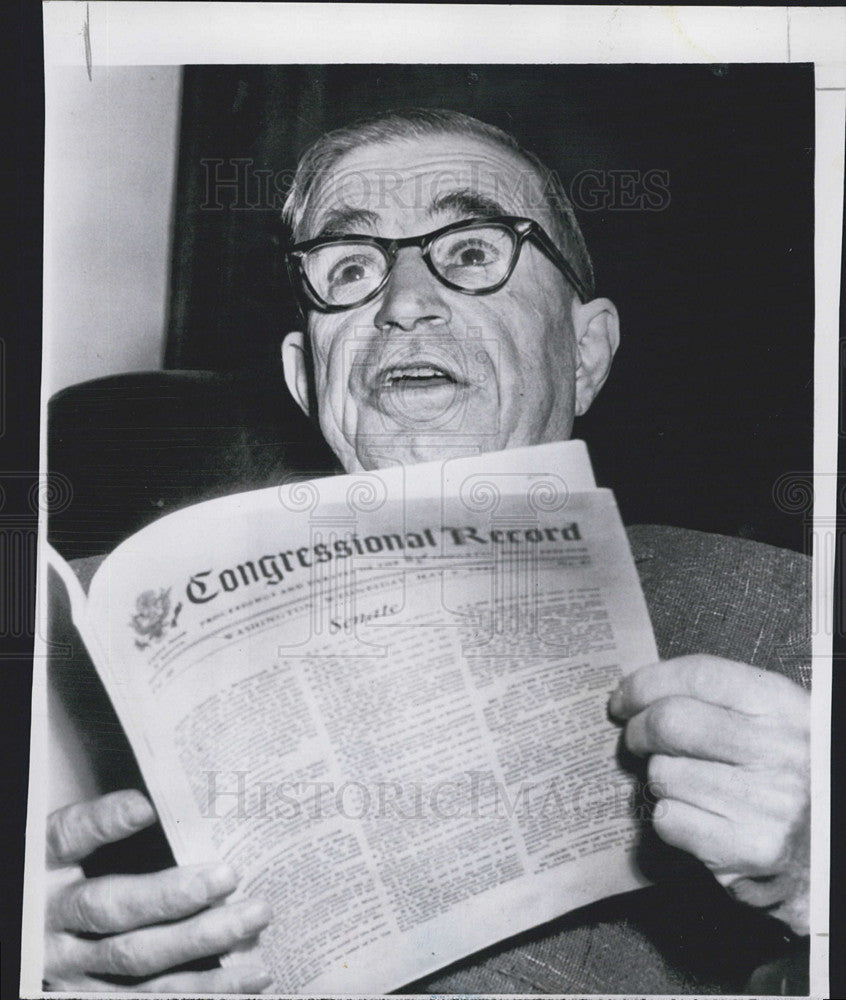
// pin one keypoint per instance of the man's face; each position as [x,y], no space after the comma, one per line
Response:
[422,371]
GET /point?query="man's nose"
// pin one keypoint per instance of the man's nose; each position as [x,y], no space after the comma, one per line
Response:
[412,296]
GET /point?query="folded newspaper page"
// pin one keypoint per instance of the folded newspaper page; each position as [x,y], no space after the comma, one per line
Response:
[382,698]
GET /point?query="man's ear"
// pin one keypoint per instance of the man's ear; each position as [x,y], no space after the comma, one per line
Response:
[295,366]
[596,325]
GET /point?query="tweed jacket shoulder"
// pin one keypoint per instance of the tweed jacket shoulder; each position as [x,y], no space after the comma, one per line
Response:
[705,593]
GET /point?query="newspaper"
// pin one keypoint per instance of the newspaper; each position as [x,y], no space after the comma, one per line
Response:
[382,698]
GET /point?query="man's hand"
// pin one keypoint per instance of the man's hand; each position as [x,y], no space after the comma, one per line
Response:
[730,765]
[139,925]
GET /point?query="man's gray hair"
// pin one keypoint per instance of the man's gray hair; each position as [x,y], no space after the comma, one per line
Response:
[418,123]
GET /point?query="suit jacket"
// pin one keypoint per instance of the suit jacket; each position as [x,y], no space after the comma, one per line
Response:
[706,594]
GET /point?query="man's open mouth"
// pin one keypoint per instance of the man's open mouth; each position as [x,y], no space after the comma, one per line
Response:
[416,376]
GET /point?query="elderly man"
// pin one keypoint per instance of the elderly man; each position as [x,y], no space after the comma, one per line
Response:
[449,307]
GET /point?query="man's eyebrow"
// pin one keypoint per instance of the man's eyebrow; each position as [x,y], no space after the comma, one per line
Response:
[341,221]
[466,202]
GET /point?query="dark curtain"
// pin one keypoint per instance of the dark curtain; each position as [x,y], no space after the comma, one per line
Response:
[709,405]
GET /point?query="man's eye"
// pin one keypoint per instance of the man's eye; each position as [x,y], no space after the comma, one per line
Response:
[472,253]
[350,270]
[472,256]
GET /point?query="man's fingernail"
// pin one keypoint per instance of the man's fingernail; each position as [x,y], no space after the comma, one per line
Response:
[253,980]
[221,879]
[255,914]
[615,702]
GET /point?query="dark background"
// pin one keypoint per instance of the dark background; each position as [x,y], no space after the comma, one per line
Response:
[710,399]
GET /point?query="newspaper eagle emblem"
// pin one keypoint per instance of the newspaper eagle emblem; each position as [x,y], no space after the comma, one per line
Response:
[153,616]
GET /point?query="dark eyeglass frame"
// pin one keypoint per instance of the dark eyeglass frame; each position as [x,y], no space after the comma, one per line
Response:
[522,230]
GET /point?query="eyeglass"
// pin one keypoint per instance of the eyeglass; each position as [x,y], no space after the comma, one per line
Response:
[473,256]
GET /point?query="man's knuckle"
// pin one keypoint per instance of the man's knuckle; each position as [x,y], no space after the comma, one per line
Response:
[152,903]
[168,902]
[124,809]
[132,955]
[208,937]
[103,820]
[183,892]
[122,956]
[87,910]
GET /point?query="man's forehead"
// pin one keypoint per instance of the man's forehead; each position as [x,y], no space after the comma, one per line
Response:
[422,178]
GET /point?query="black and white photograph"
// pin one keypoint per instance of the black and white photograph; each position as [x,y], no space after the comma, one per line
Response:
[438,501]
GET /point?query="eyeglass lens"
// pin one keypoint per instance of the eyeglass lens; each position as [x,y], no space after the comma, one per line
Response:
[474,259]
